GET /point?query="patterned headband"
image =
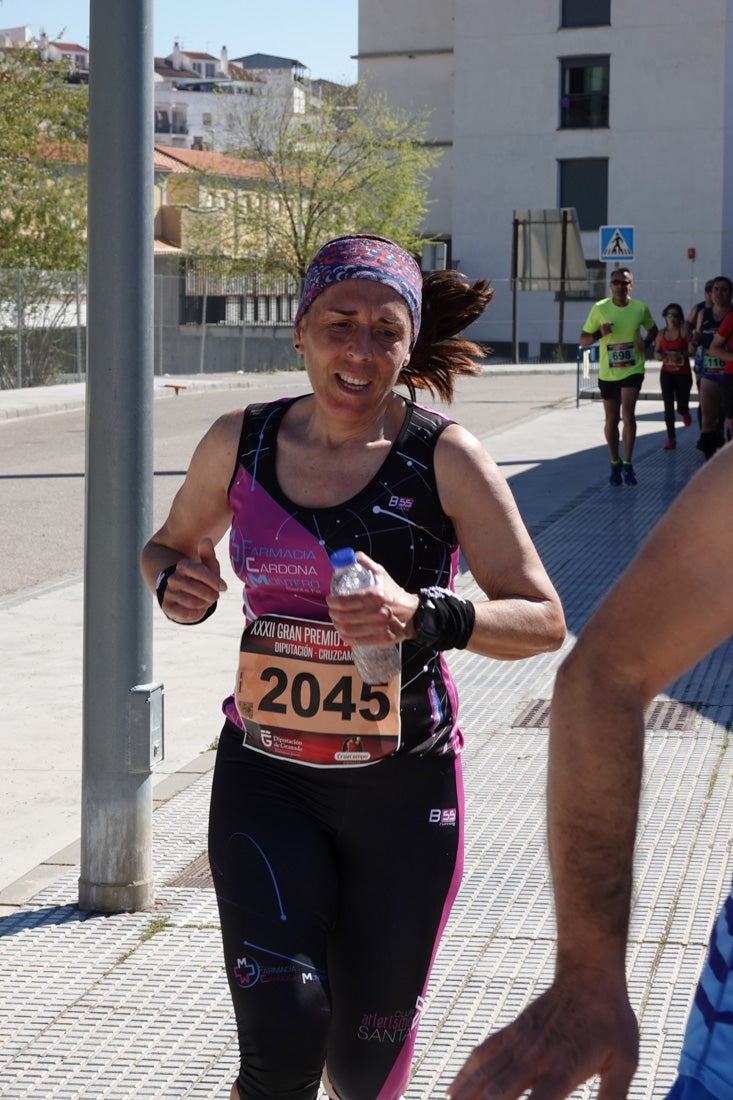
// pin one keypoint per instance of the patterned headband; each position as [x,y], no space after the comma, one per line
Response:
[364,257]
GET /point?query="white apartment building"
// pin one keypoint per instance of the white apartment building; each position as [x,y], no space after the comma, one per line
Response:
[190,89]
[74,55]
[618,108]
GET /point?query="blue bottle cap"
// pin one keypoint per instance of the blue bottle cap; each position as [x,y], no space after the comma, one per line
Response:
[341,559]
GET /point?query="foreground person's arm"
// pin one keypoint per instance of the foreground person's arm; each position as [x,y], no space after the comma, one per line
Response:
[668,610]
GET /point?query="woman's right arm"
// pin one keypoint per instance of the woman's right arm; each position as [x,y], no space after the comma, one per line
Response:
[199,516]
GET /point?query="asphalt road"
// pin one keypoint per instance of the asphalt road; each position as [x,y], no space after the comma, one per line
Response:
[42,459]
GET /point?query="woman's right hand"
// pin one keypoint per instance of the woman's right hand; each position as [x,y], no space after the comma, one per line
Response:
[194,585]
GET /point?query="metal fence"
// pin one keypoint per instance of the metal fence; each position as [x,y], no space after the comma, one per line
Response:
[587,367]
[211,322]
[225,299]
[42,327]
[202,321]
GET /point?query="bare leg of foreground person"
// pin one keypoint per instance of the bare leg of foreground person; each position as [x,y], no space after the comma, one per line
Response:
[333,1095]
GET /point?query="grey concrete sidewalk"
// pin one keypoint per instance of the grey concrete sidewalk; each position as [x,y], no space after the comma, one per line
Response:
[137,1006]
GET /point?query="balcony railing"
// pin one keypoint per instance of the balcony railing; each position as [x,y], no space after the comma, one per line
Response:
[584,111]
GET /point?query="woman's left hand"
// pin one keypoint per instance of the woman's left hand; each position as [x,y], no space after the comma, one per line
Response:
[379,615]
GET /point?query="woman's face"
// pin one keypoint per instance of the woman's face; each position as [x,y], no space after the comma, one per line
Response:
[355,339]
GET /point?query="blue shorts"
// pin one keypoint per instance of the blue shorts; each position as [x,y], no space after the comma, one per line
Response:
[687,1088]
[706,1062]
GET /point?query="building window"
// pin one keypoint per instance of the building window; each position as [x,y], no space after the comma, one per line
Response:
[206,119]
[583,92]
[585,13]
[210,68]
[584,185]
[180,125]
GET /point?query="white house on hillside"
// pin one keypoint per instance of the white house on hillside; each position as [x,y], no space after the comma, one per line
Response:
[10,36]
[189,86]
[189,110]
[283,73]
[75,56]
[621,110]
[188,90]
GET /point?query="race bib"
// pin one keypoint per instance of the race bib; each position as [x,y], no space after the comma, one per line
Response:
[621,355]
[300,697]
[713,365]
[674,360]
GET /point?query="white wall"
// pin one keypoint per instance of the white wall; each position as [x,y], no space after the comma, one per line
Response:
[670,173]
[415,80]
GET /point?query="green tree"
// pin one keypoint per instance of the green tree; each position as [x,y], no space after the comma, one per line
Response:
[339,168]
[43,134]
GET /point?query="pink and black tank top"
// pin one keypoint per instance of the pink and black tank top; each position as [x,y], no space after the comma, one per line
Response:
[280,551]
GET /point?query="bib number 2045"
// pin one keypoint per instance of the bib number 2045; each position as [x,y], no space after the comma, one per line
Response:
[302,696]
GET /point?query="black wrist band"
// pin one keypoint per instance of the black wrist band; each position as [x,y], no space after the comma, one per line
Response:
[443,620]
[597,335]
[162,583]
[160,586]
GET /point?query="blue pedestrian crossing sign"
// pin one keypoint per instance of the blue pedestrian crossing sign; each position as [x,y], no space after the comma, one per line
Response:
[617,243]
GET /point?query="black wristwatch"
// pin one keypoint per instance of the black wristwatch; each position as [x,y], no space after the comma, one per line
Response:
[427,628]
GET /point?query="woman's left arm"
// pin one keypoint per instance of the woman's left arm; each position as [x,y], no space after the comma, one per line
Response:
[522,614]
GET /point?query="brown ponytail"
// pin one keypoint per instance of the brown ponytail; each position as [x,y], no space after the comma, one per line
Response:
[449,305]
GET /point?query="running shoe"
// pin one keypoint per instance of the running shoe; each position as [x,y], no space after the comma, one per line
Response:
[686,419]
[669,445]
[615,478]
[628,474]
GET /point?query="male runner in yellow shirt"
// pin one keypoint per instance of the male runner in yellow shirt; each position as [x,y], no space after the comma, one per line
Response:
[617,322]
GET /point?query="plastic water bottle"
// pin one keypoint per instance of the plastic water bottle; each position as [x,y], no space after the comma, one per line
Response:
[375,664]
